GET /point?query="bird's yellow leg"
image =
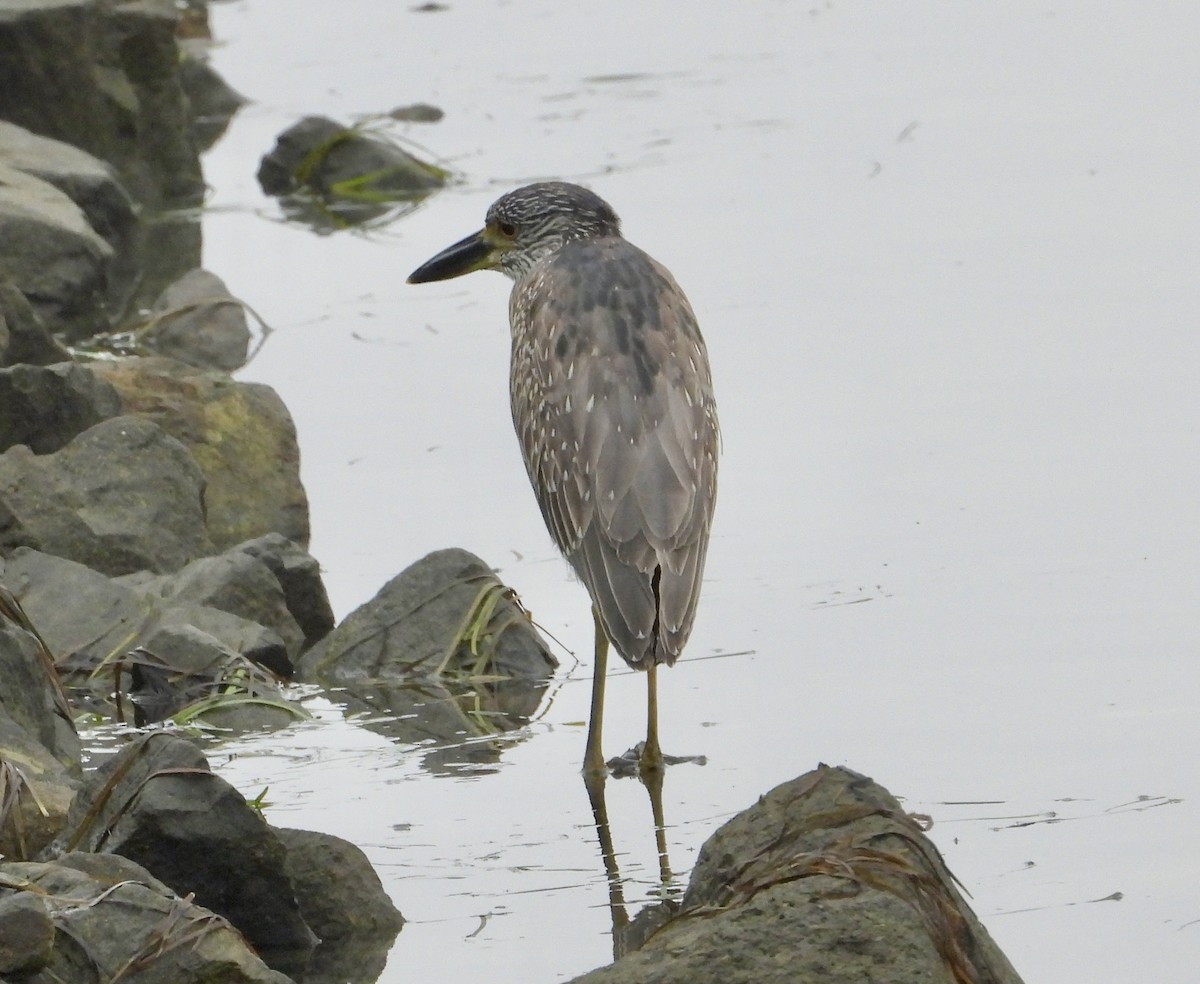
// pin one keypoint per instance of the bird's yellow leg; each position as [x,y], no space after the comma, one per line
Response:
[593,756]
[651,760]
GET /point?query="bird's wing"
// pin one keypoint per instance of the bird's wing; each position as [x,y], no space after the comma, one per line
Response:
[620,434]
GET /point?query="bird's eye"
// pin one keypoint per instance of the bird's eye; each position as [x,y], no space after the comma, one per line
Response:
[507,229]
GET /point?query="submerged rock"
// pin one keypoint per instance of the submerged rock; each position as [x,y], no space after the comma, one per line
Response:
[417,113]
[826,880]
[447,615]
[189,676]
[331,176]
[445,652]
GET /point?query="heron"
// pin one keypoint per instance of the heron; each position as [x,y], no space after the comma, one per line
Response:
[612,401]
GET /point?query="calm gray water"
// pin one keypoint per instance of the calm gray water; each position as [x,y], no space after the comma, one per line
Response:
[945,257]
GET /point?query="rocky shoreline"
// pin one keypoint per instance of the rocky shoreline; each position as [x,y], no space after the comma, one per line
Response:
[153,537]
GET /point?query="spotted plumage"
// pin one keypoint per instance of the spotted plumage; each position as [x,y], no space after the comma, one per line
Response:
[612,401]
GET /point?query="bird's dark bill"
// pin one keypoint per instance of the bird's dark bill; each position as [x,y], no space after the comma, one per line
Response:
[465,256]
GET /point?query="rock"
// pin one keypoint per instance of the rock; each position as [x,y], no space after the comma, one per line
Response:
[339,892]
[256,642]
[197,321]
[446,615]
[240,434]
[84,616]
[825,879]
[39,749]
[417,113]
[90,618]
[58,261]
[90,183]
[353,174]
[343,902]
[109,915]
[23,334]
[186,674]
[104,78]
[26,933]
[157,803]
[212,100]
[323,156]
[442,652]
[32,701]
[299,575]
[123,496]
[47,407]
[235,582]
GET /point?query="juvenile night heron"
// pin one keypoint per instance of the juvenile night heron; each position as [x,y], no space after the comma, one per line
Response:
[613,405]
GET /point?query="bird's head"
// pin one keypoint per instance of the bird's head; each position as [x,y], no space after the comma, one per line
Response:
[522,227]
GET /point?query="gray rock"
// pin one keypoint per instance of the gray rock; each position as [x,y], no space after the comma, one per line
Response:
[333,177]
[188,675]
[89,618]
[31,703]
[825,880]
[240,434]
[212,100]
[90,183]
[123,496]
[47,407]
[447,615]
[58,261]
[165,656]
[105,78]
[257,643]
[344,903]
[299,575]
[26,933]
[340,894]
[84,616]
[321,155]
[109,914]
[157,803]
[442,654]
[23,334]
[197,321]
[39,748]
[235,582]
[417,113]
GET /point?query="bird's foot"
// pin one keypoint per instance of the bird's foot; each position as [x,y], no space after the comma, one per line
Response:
[635,763]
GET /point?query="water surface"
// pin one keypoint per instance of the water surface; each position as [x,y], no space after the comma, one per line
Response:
[944,256]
